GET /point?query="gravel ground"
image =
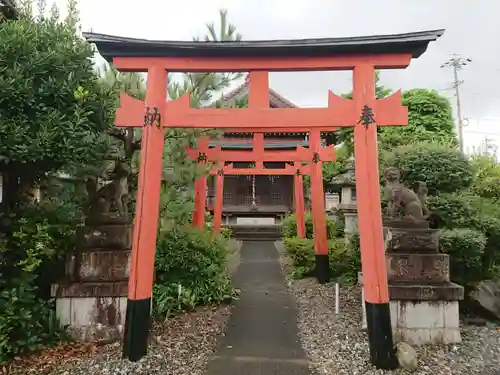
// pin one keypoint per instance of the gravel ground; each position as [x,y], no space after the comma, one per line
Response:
[336,345]
[182,346]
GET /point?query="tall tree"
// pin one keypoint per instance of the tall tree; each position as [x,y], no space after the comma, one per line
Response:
[8,10]
[345,138]
[53,117]
[486,177]
[345,135]
[429,119]
[202,87]
[177,196]
[53,110]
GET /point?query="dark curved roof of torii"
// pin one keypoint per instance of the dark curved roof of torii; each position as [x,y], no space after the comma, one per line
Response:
[416,43]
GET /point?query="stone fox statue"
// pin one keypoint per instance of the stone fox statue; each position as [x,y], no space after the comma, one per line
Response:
[398,195]
[115,192]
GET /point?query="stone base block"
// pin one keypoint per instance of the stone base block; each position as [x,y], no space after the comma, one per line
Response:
[364,324]
[92,318]
[105,237]
[426,292]
[418,240]
[351,222]
[425,322]
[98,265]
[68,289]
[418,268]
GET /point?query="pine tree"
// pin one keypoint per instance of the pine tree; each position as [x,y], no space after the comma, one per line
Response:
[8,10]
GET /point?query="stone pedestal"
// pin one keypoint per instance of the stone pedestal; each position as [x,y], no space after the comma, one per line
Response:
[364,324]
[350,212]
[348,201]
[91,300]
[424,303]
[331,201]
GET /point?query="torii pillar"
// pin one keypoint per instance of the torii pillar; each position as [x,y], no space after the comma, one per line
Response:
[322,269]
[298,185]
[219,198]
[370,214]
[200,186]
[140,287]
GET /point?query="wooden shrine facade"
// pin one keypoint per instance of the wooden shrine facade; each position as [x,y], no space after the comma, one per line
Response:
[257,195]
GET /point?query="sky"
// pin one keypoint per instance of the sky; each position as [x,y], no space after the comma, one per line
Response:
[472,29]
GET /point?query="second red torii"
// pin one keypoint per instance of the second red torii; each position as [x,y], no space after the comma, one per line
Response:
[314,156]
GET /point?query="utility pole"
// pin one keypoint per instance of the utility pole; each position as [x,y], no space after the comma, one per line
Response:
[490,149]
[457,63]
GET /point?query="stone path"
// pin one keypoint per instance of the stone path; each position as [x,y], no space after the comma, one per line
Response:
[262,334]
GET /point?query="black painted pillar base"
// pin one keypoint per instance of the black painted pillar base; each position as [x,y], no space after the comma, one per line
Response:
[378,319]
[322,269]
[137,324]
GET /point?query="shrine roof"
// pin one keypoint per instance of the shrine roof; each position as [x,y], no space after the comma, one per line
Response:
[275,99]
[416,43]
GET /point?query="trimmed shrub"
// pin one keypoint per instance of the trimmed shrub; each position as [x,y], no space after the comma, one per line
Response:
[30,260]
[344,259]
[442,167]
[190,270]
[466,248]
[490,227]
[301,252]
[226,232]
[334,228]
[451,210]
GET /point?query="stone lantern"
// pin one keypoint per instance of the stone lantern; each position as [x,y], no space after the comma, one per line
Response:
[348,205]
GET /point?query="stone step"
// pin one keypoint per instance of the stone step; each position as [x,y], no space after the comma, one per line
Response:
[256,232]
[257,236]
[253,238]
[255,228]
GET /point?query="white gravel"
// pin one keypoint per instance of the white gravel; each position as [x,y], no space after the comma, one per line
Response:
[336,345]
[182,346]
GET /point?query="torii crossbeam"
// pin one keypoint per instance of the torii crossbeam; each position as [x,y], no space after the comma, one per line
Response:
[364,113]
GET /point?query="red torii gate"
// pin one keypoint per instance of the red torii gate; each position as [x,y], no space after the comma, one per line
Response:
[314,155]
[364,112]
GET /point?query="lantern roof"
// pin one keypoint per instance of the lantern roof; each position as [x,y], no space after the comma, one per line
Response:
[348,178]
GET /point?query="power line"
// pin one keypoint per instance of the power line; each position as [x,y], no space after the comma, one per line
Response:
[457,63]
[480,132]
[487,147]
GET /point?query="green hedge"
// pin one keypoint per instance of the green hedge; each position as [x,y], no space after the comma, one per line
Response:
[343,257]
[458,217]
[334,228]
[466,249]
[452,210]
[31,258]
[444,168]
[190,270]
